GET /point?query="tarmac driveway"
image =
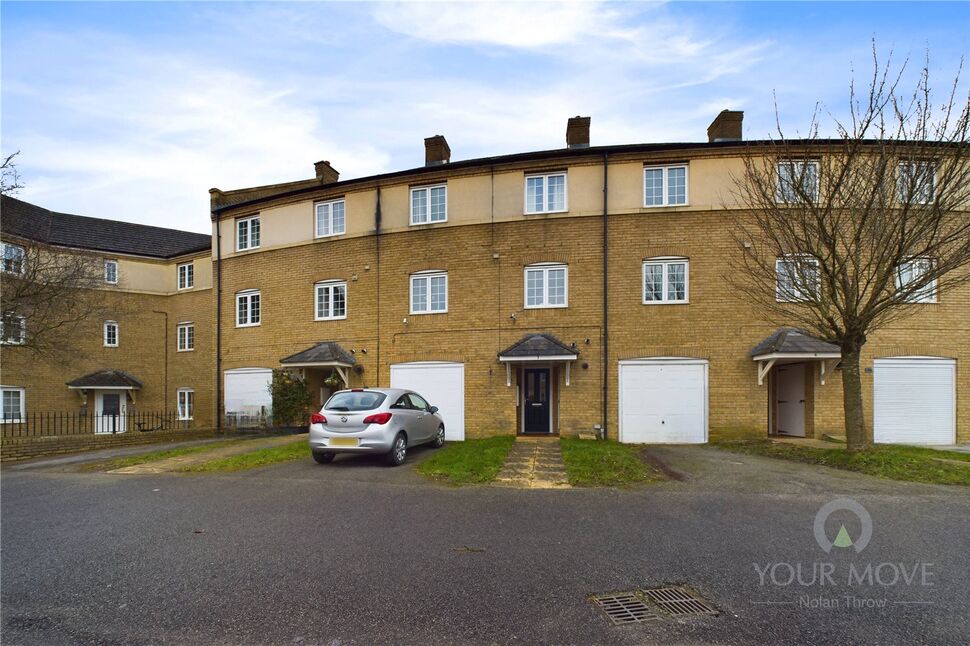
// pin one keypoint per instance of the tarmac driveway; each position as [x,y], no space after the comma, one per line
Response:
[363,554]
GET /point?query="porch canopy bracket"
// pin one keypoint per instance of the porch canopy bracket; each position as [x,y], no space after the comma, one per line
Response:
[792,345]
[326,354]
[538,348]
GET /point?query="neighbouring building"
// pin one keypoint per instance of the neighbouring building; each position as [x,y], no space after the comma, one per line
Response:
[145,349]
[557,291]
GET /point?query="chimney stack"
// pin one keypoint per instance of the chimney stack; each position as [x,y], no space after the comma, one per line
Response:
[726,126]
[577,132]
[436,151]
[326,173]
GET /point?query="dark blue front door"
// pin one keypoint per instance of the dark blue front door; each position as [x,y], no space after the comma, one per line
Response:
[537,387]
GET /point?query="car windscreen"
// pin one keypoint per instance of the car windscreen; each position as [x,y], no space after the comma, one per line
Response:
[355,401]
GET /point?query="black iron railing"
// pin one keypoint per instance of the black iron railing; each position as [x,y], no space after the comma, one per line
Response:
[38,424]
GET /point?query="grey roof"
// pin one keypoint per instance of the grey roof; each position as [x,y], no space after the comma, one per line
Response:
[323,352]
[538,345]
[106,379]
[790,340]
[26,220]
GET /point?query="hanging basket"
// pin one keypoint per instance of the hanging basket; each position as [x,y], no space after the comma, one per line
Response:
[334,380]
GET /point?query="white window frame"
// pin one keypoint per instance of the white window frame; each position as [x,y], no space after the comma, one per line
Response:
[189,328]
[104,334]
[797,298]
[248,295]
[5,339]
[795,164]
[427,189]
[545,268]
[328,284]
[3,258]
[427,276]
[665,262]
[107,276]
[188,275]
[912,164]
[247,221]
[929,293]
[329,218]
[185,403]
[22,414]
[527,207]
[666,185]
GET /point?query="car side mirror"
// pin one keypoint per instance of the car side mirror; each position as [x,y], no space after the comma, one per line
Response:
[434,409]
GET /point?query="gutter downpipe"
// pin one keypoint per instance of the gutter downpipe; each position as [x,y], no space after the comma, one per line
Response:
[218,325]
[606,293]
[377,242]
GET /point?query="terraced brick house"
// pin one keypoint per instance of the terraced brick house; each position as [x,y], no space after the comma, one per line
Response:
[146,347]
[553,292]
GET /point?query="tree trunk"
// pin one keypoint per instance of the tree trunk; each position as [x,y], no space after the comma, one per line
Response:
[856,433]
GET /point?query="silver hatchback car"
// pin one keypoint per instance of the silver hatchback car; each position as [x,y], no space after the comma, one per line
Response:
[374,420]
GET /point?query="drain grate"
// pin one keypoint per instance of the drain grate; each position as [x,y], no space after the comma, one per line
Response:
[625,608]
[679,602]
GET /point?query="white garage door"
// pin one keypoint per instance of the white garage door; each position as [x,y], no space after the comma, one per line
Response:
[914,400]
[247,390]
[663,401]
[442,384]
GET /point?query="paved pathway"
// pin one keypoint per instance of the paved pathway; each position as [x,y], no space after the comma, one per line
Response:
[219,452]
[534,463]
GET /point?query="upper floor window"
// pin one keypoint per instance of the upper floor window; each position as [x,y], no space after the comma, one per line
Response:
[665,280]
[429,204]
[111,272]
[797,182]
[545,193]
[797,279]
[13,329]
[914,272]
[13,404]
[665,185]
[185,335]
[186,403]
[247,233]
[429,292]
[546,286]
[186,275]
[916,182]
[248,308]
[331,300]
[330,220]
[13,258]
[111,334]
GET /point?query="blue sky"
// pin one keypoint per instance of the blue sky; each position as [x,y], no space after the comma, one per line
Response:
[134,110]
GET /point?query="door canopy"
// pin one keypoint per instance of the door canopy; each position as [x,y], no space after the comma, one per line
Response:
[537,348]
[792,344]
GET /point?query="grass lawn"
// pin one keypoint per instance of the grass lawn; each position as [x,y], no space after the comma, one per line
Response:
[254,459]
[592,463]
[468,462]
[896,462]
[154,456]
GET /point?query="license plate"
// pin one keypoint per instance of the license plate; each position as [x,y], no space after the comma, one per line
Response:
[343,441]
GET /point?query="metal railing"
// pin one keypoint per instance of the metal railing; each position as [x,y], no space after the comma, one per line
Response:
[77,423]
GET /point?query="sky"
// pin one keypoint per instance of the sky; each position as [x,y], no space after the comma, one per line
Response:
[132,111]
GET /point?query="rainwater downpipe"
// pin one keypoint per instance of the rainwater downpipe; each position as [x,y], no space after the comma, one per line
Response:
[606,292]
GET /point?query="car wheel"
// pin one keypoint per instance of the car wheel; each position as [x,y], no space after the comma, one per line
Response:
[322,458]
[439,439]
[399,451]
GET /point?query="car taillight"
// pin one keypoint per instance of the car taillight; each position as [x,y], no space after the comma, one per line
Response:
[378,418]
[317,418]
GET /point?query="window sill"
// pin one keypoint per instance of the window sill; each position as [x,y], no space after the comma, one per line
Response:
[424,224]
[427,313]
[665,206]
[186,350]
[546,307]
[185,289]
[331,318]
[110,346]
[545,212]
[684,302]
[247,324]
[238,250]
[329,235]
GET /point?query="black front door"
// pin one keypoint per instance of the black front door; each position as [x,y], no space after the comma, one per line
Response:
[537,387]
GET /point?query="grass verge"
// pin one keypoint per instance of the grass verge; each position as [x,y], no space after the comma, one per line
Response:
[591,463]
[154,456]
[910,463]
[468,462]
[253,459]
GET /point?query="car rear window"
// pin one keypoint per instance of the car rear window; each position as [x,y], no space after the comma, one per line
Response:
[355,401]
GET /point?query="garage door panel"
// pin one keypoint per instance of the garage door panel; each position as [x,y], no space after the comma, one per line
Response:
[247,390]
[663,402]
[442,385]
[914,401]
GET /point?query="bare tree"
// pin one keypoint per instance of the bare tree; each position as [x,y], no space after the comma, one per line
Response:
[9,177]
[845,235]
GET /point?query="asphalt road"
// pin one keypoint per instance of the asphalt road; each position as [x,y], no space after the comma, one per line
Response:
[355,553]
